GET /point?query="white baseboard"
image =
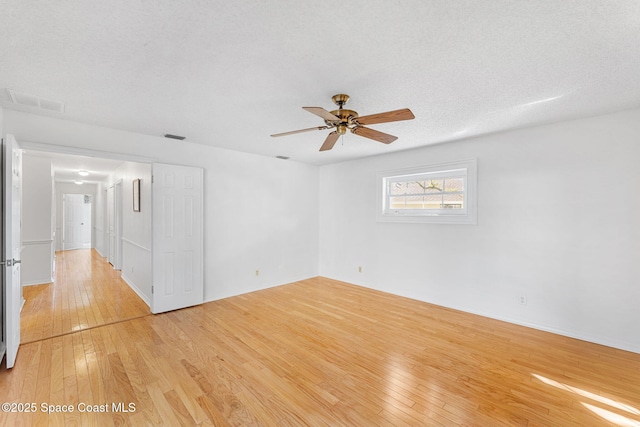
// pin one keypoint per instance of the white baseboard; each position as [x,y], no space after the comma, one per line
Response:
[137,290]
[43,281]
[633,347]
[621,345]
[260,288]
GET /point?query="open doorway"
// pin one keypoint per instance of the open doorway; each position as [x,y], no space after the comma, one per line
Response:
[171,261]
[84,289]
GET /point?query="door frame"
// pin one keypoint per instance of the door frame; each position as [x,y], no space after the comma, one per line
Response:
[116,211]
[30,145]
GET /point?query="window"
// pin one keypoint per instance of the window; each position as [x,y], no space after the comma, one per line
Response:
[442,193]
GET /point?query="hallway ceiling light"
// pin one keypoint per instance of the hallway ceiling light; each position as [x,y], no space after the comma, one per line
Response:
[78,182]
[83,173]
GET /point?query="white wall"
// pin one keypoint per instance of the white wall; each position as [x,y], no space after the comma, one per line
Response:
[557,221]
[2,343]
[62,188]
[136,226]
[37,233]
[260,213]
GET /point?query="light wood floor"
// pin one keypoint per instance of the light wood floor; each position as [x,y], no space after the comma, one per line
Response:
[87,293]
[324,353]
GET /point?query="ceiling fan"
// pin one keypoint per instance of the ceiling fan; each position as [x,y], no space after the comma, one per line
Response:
[343,120]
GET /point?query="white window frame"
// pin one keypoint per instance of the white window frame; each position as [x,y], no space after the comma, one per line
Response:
[462,168]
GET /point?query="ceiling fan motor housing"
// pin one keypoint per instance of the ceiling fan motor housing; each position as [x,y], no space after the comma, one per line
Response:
[346,120]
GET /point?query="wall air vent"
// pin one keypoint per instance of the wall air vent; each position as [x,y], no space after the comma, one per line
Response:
[35,102]
[168,135]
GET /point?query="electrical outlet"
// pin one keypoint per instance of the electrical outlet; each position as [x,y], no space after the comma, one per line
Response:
[359,269]
[522,300]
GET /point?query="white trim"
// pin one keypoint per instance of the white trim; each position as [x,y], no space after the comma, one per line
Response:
[37,242]
[46,281]
[633,347]
[63,149]
[263,286]
[137,245]
[621,345]
[136,289]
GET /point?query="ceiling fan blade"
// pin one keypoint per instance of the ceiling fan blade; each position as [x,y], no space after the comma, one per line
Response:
[389,116]
[321,112]
[293,132]
[385,138]
[331,140]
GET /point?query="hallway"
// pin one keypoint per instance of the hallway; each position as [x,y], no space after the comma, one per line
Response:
[87,293]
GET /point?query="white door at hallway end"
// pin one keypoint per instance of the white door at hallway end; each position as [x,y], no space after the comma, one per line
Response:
[76,212]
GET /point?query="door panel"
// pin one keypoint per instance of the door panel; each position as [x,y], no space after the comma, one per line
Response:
[77,222]
[177,237]
[12,174]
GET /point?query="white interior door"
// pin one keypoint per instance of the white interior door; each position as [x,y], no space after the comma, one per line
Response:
[111,227]
[76,221]
[12,174]
[177,199]
[117,228]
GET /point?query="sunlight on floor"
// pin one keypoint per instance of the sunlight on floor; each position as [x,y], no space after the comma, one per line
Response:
[617,419]
[398,377]
[611,416]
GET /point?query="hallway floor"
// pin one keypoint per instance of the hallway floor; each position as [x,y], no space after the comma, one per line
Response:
[87,293]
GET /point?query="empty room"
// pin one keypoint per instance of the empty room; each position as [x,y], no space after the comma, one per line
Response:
[287,213]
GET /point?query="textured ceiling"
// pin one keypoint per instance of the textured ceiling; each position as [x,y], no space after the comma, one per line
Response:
[229,74]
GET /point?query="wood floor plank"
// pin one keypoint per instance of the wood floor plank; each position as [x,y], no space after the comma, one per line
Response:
[313,353]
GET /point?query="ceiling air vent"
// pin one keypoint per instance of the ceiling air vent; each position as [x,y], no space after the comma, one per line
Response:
[35,102]
[168,135]
[282,157]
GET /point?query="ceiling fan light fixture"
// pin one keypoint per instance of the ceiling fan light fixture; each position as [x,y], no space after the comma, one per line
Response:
[342,120]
